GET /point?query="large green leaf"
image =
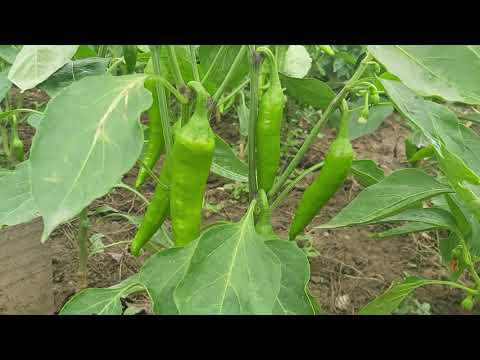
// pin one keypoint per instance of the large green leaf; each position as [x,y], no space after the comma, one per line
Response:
[89,137]
[391,299]
[16,205]
[73,71]
[293,297]
[8,53]
[435,121]
[100,301]
[398,191]
[227,164]
[5,84]
[448,71]
[232,271]
[207,54]
[161,274]
[308,91]
[367,172]
[35,63]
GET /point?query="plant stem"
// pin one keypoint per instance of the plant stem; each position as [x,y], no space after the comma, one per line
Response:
[318,126]
[255,61]
[214,63]
[294,182]
[172,58]
[82,250]
[162,99]
[234,92]
[129,188]
[193,57]
[181,98]
[8,113]
[231,72]
[102,50]
[5,141]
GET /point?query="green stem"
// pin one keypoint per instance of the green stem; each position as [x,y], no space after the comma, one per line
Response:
[281,197]
[233,93]
[318,126]
[5,141]
[162,99]
[129,188]
[184,113]
[255,61]
[231,72]
[193,59]
[172,58]
[102,50]
[469,262]
[82,250]
[181,98]
[9,113]
[214,63]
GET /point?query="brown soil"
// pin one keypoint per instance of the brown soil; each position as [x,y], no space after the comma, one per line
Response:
[350,270]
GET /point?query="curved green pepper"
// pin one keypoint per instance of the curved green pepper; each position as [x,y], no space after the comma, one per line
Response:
[156,142]
[268,127]
[16,144]
[338,162]
[130,57]
[156,212]
[192,155]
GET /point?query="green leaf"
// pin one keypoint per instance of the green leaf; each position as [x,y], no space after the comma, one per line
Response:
[8,53]
[35,63]
[232,271]
[391,299]
[225,163]
[34,120]
[17,205]
[73,71]
[435,121]
[5,84]
[101,301]
[436,217]
[89,137]
[377,114]
[406,229]
[292,298]
[367,172]
[207,54]
[162,273]
[308,91]
[398,191]
[85,52]
[451,72]
[297,62]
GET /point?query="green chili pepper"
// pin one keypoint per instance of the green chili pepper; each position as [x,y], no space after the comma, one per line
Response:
[156,212]
[336,169]
[192,155]
[268,127]
[16,144]
[468,303]
[130,57]
[156,142]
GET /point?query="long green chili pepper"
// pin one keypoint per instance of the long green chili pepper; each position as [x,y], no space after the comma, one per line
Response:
[268,127]
[156,212]
[192,155]
[156,142]
[336,169]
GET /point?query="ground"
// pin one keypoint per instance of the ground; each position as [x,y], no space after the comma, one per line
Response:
[348,268]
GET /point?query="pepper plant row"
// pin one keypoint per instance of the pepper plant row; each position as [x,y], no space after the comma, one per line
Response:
[89,135]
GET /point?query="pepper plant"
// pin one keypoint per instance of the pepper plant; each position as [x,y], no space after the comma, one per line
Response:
[90,135]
